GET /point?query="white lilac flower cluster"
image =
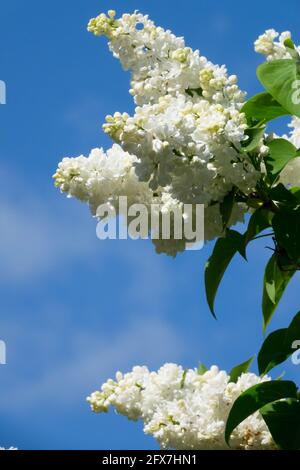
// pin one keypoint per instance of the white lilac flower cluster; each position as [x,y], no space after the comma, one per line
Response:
[101,178]
[271,45]
[187,129]
[181,146]
[184,409]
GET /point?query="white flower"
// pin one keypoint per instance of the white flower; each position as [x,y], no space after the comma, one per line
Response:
[182,409]
[183,143]
[101,178]
[177,140]
[160,62]
[267,45]
[187,125]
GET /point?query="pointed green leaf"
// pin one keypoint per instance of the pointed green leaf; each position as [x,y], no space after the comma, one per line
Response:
[254,399]
[290,47]
[272,352]
[263,107]
[286,225]
[201,369]
[238,370]
[277,347]
[288,43]
[259,221]
[254,136]
[226,207]
[283,421]
[280,193]
[270,279]
[223,252]
[182,382]
[275,283]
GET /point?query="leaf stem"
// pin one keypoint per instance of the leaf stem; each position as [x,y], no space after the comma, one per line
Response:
[263,236]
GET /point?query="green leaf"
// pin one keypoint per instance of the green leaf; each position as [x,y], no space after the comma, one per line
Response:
[272,352]
[280,193]
[223,252]
[270,279]
[254,136]
[277,347]
[283,421]
[286,225]
[280,79]
[226,207]
[238,370]
[275,283]
[192,91]
[182,382]
[288,43]
[259,221]
[263,107]
[201,369]
[254,399]
[290,47]
[281,153]
[296,192]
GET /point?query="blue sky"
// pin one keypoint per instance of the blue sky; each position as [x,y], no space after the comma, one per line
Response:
[74,309]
